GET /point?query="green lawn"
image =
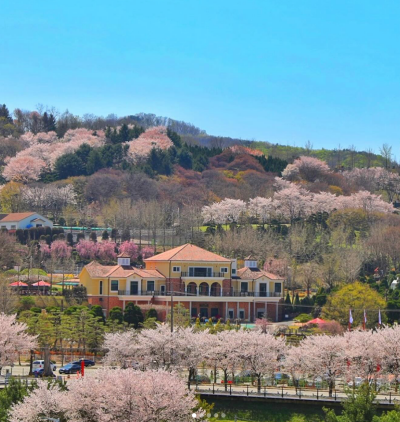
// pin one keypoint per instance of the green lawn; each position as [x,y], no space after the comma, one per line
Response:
[266,412]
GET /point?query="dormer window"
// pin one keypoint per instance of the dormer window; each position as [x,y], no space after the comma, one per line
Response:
[125,262]
[250,264]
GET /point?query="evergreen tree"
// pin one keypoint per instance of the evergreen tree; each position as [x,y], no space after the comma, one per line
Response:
[296,307]
[4,112]
[105,235]
[69,165]
[185,159]
[116,314]
[133,315]
[94,162]
[97,312]
[124,134]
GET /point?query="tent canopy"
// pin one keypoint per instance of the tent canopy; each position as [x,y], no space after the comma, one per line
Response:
[41,283]
[18,284]
[317,321]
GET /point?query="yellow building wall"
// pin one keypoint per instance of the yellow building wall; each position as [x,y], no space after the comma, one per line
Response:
[165,268]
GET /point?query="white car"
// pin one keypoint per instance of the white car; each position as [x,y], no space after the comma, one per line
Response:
[39,364]
[357,382]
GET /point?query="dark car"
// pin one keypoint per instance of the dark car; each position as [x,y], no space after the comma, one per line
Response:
[88,362]
[70,368]
[39,372]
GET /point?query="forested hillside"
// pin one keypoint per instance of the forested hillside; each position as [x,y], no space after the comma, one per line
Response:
[160,182]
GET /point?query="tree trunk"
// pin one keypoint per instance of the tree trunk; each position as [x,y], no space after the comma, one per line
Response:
[226,379]
[47,364]
[258,383]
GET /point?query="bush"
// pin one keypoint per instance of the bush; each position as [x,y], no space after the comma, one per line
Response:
[151,313]
[26,302]
[11,272]
[33,271]
[303,318]
[36,310]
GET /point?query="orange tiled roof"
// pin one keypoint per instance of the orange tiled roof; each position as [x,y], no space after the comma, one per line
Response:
[97,270]
[254,273]
[17,216]
[188,252]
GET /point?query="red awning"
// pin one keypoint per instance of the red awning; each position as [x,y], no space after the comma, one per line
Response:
[317,321]
[41,283]
[18,284]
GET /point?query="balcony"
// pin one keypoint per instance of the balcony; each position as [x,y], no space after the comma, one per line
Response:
[201,294]
[204,275]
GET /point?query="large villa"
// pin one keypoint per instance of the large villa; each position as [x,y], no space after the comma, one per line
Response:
[207,284]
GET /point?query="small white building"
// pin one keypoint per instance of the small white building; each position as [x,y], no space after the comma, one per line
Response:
[23,220]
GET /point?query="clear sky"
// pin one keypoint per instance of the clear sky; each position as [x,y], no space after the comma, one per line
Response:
[273,70]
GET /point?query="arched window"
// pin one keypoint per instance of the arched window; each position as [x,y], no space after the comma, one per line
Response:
[101,287]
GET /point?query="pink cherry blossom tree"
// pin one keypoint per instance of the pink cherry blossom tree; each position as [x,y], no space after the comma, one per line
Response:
[106,251]
[155,137]
[113,395]
[308,168]
[158,348]
[24,169]
[192,347]
[13,339]
[87,249]
[120,348]
[223,350]
[260,353]
[130,248]
[318,356]
[147,252]
[261,209]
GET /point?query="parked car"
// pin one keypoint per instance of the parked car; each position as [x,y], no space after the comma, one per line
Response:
[39,373]
[88,362]
[39,364]
[202,379]
[356,382]
[70,368]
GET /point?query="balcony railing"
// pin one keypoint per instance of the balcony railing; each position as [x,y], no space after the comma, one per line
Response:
[204,275]
[200,294]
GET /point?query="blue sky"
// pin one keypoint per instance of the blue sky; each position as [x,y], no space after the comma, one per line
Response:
[277,71]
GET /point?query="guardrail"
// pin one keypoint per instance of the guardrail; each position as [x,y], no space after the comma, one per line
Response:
[306,394]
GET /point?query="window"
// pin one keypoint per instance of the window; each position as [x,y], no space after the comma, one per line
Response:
[244,287]
[114,285]
[200,272]
[176,269]
[124,262]
[263,289]
[3,227]
[224,270]
[278,287]
[194,313]
[230,313]
[233,271]
[150,286]
[241,313]
[13,226]
[260,313]
[101,287]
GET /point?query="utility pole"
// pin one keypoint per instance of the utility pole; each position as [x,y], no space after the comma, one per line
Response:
[172,311]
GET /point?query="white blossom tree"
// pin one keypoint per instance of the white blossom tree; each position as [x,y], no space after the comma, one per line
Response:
[13,339]
[120,395]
